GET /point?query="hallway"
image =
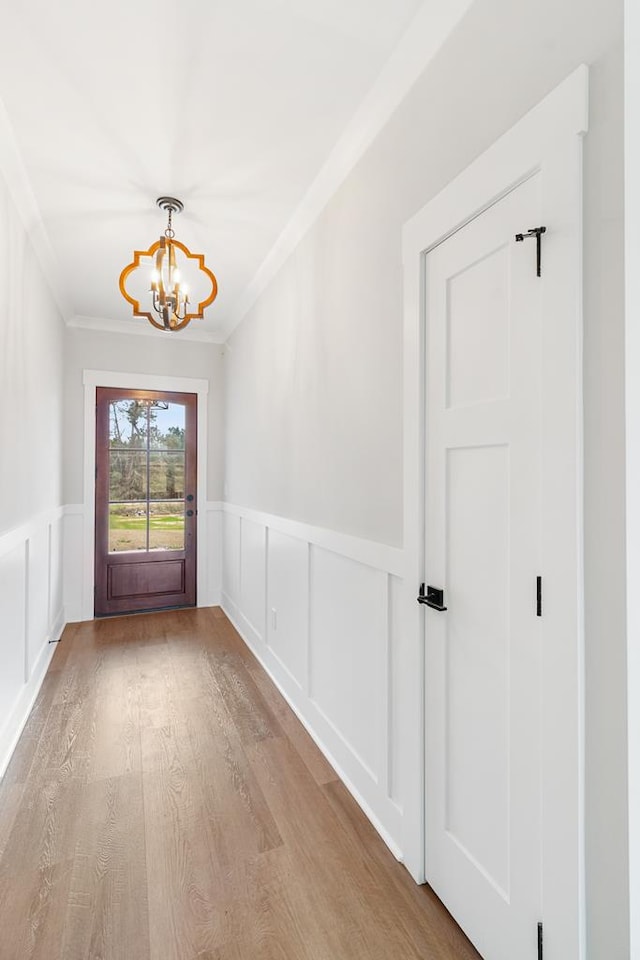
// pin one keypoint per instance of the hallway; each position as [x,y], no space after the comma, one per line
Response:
[164,802]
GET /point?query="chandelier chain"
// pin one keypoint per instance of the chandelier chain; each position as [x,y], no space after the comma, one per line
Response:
[170,232]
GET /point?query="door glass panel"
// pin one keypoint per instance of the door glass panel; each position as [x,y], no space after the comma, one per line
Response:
[166,525]
[128,526]
[128,424]
[167,425]
[166,475]
[146,475]
[127,475]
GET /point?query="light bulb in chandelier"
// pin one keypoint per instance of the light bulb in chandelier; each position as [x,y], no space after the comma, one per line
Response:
[167,292]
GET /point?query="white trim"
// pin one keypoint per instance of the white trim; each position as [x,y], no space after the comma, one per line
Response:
[368,552]
[143,328]
[548,138]
[16,721]
[138,381]
[426,35]
[632,348]
[12,538]
[263,656]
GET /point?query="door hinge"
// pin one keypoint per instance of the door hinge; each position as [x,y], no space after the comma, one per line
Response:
[537,233]
[540,942]
[538,596]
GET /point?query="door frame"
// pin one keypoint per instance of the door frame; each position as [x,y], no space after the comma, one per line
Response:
[632,412]
[547,140]
[139,381]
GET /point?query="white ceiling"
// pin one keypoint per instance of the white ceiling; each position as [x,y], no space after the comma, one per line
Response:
[231,105]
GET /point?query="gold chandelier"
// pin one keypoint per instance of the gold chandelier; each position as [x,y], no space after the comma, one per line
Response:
[169,294]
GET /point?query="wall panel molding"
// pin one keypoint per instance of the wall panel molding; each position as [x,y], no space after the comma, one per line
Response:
[31,598]
[314,606]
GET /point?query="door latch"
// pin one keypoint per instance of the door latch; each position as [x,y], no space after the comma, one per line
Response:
[433,598]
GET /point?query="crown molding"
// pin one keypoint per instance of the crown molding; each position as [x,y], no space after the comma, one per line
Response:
[140,328]
[425,36]
[21,192]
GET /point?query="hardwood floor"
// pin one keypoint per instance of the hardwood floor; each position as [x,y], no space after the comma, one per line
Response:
[164,803]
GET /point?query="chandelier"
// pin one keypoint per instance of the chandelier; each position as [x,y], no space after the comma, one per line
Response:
[168,292]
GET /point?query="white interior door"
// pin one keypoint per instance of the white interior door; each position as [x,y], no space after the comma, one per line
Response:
[483,655]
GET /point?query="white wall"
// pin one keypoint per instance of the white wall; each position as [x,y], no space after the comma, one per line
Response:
[31,346]
[314,372]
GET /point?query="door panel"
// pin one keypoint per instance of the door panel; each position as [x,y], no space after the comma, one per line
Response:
[145,500]
[482,546]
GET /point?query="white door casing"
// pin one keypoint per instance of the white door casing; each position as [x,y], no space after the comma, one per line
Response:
[546,148]
[482,317]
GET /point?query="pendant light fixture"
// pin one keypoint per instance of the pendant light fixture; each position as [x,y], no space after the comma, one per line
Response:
[168,292]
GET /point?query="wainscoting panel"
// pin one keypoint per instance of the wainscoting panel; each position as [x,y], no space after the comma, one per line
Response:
[288,605]
[32,618]
[73,572]
[14,625]
[349,636]
[317,609]
[399,683]
[212,530]
[231,554]
[38,593]
[253,559]
[56,576]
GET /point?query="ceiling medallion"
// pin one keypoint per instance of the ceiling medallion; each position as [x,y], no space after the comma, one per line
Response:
[169,296]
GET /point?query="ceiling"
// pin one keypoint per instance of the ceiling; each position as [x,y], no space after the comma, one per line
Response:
[231,105]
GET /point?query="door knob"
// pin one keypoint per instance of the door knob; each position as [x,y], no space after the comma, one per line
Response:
[189,513]
[190,497]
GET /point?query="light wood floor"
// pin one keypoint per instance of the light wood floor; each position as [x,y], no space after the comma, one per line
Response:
[165,804]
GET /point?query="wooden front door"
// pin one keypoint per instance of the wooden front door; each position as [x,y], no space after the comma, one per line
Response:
[146,499]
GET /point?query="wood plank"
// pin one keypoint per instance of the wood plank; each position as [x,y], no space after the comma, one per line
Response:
[106,910]
[314,760]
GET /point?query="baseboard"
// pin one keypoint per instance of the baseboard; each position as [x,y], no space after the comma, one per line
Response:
[257,647]
[58,626]
[23,706]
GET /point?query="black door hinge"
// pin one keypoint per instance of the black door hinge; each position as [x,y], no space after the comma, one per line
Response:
[540,942]
[537,233]
[538,596]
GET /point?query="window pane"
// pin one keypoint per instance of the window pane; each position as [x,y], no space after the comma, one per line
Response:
[166,475]
[127,474]
[128,424]
[166,526]
[167,425]
[127,527]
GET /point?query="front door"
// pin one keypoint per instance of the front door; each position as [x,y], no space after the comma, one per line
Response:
[483,495]
[145,555]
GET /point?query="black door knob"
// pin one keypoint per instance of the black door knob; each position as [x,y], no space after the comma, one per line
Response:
[189,513]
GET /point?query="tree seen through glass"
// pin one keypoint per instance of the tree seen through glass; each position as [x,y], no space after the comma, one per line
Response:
[146,475]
